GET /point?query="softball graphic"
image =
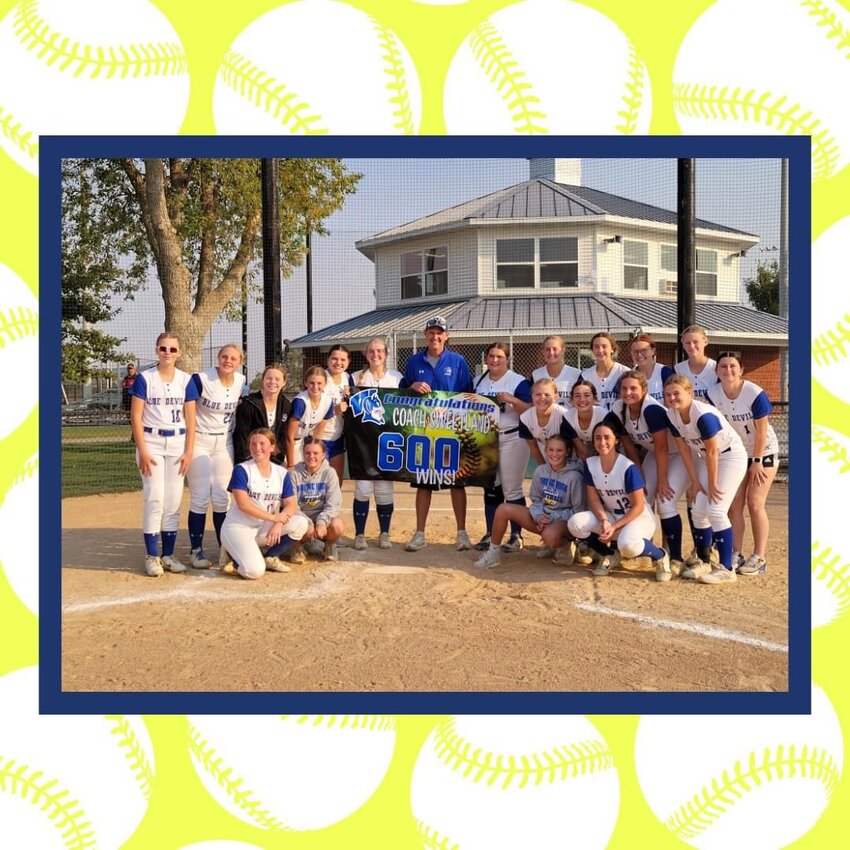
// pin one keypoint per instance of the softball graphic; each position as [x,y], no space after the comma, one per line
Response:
[314,67]
[19,552]
[69,781]
[220,845]
[493,781]
[547,66]
[830,554]
[831,311]
[292,772]
[731,77]
[91,67]
[732,781]
[18,346]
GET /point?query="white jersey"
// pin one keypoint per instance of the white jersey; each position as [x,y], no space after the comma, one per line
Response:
[655,382]
[651,419]
[751,403]
[263,492]
[703,382]
[511,383]
[597,415]
[564,382]
[615,486]
[389,380]
[337,393]
[216,403]
[308,418]
[607,389]
[530,429]
[706,421]
[164,400]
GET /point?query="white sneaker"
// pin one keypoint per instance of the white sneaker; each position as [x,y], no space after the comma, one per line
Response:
[225,562]
[198,560]
[719,576]
[297,556]
[462,541]
[696,571]
[416,542]
[514,544]
[565,556]
[360,542]
[693,559]
[275,565]
[738,560]
[606,563]
[677,567]
[491,558]
[331,553]
[153,566]
[384,541]
[662,568]
[172,564]
[544,553]
[753,566]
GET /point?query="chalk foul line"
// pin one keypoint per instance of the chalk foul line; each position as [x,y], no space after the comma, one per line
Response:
[693,628]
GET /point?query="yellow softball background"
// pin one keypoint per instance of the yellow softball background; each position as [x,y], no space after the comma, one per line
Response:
[181,812]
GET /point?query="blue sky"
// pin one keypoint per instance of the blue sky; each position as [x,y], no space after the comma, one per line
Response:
[738,193]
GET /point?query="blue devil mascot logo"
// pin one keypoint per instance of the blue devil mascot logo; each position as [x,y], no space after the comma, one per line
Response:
[367,405]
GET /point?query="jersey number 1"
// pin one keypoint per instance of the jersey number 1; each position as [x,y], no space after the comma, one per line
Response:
[175,414]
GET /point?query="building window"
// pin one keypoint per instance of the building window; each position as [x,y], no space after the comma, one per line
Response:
[635,264]
[669,259]
[515,263]
[559,262]
[527,263]
[706,272]
[425,273]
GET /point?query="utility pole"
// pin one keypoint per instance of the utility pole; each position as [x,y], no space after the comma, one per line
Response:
[271,260]
[686,203]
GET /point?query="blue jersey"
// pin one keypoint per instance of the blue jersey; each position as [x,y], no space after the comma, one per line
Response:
[450,374]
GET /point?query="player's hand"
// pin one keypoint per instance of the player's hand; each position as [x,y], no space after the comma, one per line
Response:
[758,476]
[341,408]
[544,521]
[665,491]
[146,464]
[274,534]
[715,494]
[420,387]
[607,531]
[694,489]
[183,463]
[321,530]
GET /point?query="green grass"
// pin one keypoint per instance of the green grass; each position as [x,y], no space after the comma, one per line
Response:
[105,433]
[90,468]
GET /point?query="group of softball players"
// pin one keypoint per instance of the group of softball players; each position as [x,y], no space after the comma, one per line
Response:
[611,444]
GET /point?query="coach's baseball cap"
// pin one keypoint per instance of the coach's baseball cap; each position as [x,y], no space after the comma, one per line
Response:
[437,322]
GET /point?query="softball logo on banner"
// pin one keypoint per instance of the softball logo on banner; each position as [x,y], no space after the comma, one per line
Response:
[439,439]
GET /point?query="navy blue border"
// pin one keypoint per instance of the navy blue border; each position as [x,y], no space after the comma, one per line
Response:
[795,701]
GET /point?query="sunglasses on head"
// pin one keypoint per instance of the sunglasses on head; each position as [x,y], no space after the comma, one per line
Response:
[168,349]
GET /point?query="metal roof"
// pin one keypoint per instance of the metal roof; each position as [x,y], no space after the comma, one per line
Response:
[538,199]
[534,316]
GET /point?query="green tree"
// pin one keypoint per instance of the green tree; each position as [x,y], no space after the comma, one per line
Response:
[197,222]
[763,289]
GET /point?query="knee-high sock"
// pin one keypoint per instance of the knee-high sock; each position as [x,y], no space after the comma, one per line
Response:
[385,515]
[197,523]
[169,538]
[723,542]
[702,540]
[650,550]
[361,514]
[152,545]
[492,499]
[672,529]
[597,545]
[218,522]
[281,547]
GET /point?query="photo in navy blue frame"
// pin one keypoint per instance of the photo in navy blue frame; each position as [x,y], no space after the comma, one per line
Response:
[796,700]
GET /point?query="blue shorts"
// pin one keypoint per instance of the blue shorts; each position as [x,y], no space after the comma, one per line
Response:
[334,447]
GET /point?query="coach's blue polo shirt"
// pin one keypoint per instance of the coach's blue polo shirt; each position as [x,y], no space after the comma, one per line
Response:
[450,374]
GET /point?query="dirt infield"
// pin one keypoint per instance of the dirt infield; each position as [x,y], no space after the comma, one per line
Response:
[392,620]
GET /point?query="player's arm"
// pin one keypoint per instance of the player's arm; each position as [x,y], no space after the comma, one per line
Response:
[630,449]
[189,418]
[595,506]
[659,427]
[757,473]
[146,462]
[709,426]
[690,468]
[520,399]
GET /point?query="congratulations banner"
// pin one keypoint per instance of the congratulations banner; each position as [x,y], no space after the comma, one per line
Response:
[442,438]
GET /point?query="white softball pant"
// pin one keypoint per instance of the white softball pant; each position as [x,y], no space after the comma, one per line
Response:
[383,491]
[513,461]
[731,469]
[210,471]
[241,542]
[630,538]
[677,478]
[163,488]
